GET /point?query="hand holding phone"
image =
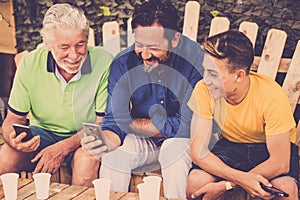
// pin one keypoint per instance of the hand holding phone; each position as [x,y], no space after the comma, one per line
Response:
[22,128]
[94,130]
[274,190]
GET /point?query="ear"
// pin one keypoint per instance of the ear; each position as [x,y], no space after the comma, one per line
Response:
[175,39]
[241,74]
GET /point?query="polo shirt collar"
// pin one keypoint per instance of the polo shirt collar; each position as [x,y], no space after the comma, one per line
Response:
[85,69]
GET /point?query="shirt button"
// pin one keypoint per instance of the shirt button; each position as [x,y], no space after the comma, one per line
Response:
[161,102]
[159,81]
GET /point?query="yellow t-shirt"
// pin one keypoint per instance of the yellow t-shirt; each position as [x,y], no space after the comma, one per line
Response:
[264,111]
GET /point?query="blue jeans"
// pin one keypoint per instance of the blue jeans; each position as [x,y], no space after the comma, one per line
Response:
[245,156]
[47,139]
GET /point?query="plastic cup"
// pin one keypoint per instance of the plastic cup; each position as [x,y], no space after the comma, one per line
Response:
[42,183]
[154,183]
[146,192]
[10,185]
[102,188]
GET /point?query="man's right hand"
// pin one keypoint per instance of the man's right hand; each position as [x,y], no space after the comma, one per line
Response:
[251,183]
[92,145]
[29,146]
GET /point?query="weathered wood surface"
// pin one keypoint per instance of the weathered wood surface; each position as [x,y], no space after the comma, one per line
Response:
[272,53]
[191,19]
[111,37]
[26,190]
[219,25]
[250,29]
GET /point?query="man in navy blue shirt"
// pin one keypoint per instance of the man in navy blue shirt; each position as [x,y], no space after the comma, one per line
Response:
[147,118]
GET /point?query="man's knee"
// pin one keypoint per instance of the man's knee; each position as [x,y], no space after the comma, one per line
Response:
[82,159]
[288,185]
[85,168]
[173,151]
[196,180]
[14,161]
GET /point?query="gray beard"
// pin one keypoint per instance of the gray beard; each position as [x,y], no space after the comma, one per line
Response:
[148,68]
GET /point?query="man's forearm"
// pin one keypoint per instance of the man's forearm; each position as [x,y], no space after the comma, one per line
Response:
[7,127]
[72,143]
[213,165]
[145,127]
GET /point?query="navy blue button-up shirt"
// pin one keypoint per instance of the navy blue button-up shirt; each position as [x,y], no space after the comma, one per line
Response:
[160,95]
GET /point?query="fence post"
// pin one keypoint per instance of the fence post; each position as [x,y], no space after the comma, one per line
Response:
[191,20]
[271,55]
[111,37]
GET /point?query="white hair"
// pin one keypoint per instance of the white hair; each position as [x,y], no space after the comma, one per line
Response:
[63,16]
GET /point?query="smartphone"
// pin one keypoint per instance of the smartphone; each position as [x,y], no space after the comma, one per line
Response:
[22,128]
[274,190]
[95,130]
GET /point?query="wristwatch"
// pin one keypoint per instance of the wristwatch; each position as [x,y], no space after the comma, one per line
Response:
[228,185]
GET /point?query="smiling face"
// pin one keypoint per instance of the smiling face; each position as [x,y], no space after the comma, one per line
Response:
[69,49]
[220,82]
[151,44]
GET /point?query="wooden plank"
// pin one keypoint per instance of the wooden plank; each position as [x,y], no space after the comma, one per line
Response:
[54,189]
[135,196]
[272,53]
[111,37]
[250,29]
[19,56]
[91,40]
[283,65]
[298,135]
[21,184]
[26,191]
[130,35]
[8,40]
[291,83]
[191,20]
[131,196]
[69,192]
[219,25]
[89,194]
[64,175]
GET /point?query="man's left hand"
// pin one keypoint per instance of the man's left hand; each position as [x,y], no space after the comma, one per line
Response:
[49,159]
[211,191]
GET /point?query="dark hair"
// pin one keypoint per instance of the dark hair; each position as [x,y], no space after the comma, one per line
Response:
[157,11]
[232,45]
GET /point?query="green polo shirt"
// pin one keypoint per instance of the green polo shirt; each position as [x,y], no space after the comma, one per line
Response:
[37,89]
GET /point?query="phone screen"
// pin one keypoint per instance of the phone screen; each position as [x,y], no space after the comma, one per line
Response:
[274,190]
[94,130]
[22,128]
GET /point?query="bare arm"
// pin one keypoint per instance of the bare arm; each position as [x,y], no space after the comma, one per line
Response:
[9,134]
[51,158]
[279,159]
[145,127]
[7,127]
[201,156]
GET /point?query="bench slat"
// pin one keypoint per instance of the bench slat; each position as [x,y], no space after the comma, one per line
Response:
[250,29]
[219,25]
[272,53]
[191,20]
[292,79]
[111,37]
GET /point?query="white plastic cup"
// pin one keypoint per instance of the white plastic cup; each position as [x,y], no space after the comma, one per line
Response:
[154,183]
[146,192]
[102,188]
[10,185]
[42,184]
